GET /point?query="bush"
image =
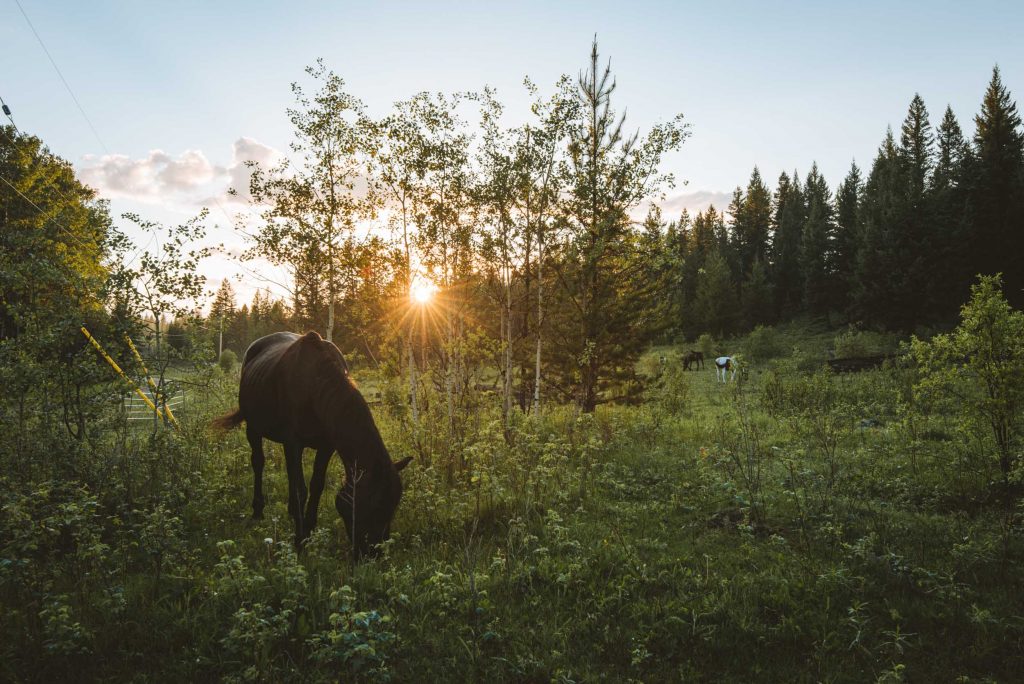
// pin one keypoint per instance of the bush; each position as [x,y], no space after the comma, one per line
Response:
[763,344]
[851,343]
[981,366]
[706,344]
[228,360]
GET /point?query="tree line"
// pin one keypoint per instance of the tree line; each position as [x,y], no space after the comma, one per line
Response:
[548,284]
[894,249]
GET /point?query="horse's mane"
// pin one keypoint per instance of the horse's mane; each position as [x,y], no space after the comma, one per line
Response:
[331,367]
[335,390]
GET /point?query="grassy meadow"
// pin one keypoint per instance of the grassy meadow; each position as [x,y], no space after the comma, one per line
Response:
[793,526]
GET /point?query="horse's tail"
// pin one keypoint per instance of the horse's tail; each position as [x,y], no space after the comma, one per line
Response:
[228,420]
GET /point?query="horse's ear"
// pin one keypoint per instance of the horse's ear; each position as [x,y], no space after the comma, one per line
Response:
[404,462]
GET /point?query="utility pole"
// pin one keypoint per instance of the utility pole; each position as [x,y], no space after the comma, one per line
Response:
[220,343]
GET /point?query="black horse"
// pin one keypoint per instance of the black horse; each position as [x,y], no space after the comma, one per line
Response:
[693,357]
[295,390]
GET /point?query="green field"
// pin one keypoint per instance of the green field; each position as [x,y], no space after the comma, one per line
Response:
[797,526]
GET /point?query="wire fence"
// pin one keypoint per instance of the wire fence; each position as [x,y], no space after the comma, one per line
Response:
[138,410]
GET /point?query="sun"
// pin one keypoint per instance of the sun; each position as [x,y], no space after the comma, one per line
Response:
[422,291]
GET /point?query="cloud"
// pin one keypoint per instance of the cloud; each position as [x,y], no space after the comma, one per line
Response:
[185,172]
[694,202]
[247,150]
[188,178]
[156,175]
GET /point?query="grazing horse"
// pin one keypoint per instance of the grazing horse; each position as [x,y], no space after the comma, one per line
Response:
[724,364]
[295,390]
[693,357]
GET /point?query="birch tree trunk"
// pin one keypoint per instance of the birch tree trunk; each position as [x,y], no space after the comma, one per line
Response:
[540,316]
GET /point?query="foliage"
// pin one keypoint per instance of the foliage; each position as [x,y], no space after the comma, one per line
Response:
[981,363]
[602,270]
[312,210]
[228,360]
[713,529]
[357,640]
[798,525]
[763,343]
[707,345]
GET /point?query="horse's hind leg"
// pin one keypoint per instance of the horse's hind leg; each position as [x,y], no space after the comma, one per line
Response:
[316,487]
[258,460]
[296,489]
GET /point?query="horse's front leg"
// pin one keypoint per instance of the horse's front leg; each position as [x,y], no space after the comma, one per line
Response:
[296,489]
[316,487]
[258,460]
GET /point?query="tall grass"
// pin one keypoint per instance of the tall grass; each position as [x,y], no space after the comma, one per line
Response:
[798,526]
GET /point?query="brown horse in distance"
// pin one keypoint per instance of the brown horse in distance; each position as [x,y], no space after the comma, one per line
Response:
[295,390]
[693,357]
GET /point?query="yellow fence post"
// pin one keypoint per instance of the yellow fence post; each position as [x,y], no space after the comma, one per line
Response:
[117,369]
[156,394]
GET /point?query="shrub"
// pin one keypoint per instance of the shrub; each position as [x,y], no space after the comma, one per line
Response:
[851,343]
[763,344]
[671,391]
[706,344]
[228,360]
[358,641]
[981,364]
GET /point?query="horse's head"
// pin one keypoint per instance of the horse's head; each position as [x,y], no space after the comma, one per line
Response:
[367,503]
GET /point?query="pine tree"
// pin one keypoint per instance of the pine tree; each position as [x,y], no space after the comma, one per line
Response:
[816,245]
[916,138]
[790,210]
[608,173]
[677,244]
[703,239]
[997,199]
[949,216]
[875,266]
[757,296]
[916,245]
[752,231]
[953,152]
[730,241]
[716,307]
[847,224]
[221,312]
[238,336]
[223,302]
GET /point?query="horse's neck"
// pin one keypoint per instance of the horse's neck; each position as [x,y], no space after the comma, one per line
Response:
[354,434]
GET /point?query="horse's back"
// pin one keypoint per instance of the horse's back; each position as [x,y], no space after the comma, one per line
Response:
[259,391]
[267,345]
[283,375]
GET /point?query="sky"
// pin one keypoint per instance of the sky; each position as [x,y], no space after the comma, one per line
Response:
[180,94]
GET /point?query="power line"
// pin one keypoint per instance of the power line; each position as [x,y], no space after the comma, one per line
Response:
[35,164]
[49,184]
[46,218]
[7,113]
[63,80]
[92,127]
